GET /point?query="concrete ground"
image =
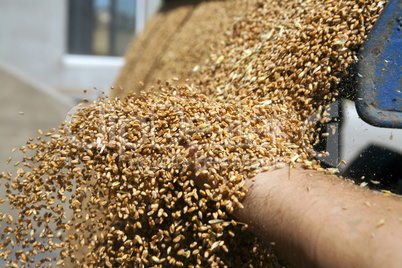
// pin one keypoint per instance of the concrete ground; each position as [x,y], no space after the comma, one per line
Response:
[25,107]
[42,109]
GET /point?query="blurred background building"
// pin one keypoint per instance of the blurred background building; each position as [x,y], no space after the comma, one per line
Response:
[70,45]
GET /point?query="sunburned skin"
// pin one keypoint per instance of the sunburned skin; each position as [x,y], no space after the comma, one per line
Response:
[319,220]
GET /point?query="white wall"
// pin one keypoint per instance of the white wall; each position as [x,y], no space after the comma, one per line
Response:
[32,35]
[33,39]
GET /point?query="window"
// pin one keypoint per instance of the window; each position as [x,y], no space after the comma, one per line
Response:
[100,27]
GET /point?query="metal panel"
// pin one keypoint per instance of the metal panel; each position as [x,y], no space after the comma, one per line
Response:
[379,96]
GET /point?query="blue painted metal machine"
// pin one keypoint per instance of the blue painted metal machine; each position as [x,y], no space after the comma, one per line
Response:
[379,94]
[366,122]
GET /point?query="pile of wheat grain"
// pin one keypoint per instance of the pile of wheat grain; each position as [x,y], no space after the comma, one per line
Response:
[125,167]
